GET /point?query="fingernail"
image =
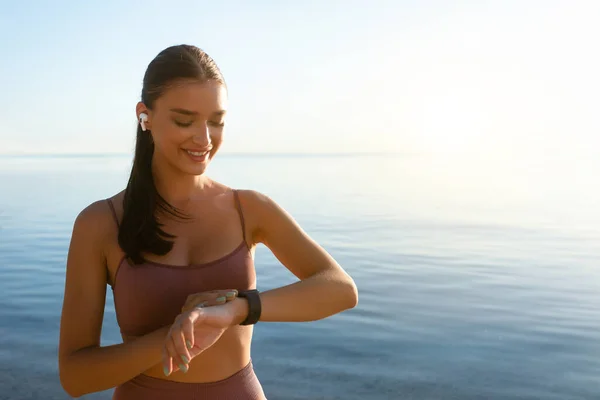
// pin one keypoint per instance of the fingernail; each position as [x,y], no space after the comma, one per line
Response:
[189,344]
[183,367]
[230,294]
[166,370]
[221,299]
[185,359]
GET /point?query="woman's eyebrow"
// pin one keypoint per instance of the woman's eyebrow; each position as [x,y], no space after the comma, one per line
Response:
[183,111]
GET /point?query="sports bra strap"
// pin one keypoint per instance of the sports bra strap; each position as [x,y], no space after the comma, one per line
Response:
[241,214]
[237,204]
[114,213]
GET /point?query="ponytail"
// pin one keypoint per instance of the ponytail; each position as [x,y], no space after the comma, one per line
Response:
[140,230]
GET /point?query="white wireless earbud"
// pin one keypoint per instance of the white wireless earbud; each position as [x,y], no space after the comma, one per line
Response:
[143,120]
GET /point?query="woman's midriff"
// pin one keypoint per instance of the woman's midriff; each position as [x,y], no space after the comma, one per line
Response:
[227,356]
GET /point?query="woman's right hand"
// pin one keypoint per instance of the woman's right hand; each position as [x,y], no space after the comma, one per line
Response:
[194,331]
[208,334]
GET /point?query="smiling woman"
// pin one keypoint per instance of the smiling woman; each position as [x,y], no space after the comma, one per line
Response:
[197,133]
[177,249]
[185,118]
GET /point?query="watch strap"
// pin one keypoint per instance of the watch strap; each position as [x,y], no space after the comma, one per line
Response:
[254,306]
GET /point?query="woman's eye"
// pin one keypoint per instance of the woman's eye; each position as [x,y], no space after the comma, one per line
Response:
[188,124]
[183,124]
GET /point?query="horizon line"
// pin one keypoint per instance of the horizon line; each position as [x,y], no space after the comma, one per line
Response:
[251,154]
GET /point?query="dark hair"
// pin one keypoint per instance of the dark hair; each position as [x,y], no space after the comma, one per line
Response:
[140,230]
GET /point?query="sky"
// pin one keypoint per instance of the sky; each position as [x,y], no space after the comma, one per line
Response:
[432,77]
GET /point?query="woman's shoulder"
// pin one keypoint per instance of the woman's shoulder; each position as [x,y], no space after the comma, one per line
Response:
[254,200]
[251,194]
[98,216]
[260,207]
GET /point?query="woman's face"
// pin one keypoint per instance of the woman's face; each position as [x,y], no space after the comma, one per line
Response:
[186,124]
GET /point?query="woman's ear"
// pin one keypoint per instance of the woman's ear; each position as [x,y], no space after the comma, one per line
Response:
[143,116]
[143,120]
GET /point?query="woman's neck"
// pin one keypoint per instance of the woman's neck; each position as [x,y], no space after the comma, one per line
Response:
[178,188]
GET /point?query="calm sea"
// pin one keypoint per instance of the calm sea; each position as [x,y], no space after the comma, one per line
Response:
[478,279]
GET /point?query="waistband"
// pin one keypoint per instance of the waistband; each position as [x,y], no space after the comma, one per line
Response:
[151,382]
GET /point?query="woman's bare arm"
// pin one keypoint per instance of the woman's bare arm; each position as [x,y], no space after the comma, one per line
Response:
[323,289]
[84,366]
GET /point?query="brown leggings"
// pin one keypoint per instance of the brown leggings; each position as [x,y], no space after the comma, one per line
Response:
[243,385]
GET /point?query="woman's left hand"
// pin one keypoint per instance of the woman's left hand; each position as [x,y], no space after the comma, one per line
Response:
[195,331]
[210,298]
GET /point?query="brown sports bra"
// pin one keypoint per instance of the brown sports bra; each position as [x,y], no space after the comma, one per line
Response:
[149,296]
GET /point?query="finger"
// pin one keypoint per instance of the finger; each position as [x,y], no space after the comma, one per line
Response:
[187,329]
[200,305]
[167,361]
[180,346]
[214,295]
[210,298]
[222,296]
[228,293]
[231,294]
[174,354]
[193,299]
[189,304]
[196,299]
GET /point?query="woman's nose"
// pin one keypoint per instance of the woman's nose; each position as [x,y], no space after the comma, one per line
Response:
[201,135]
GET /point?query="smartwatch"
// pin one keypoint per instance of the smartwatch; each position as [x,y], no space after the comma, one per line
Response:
[254,306]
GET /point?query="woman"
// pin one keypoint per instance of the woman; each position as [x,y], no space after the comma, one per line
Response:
[177,249]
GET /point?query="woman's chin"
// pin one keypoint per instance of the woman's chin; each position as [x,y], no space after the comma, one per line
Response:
[195,168]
